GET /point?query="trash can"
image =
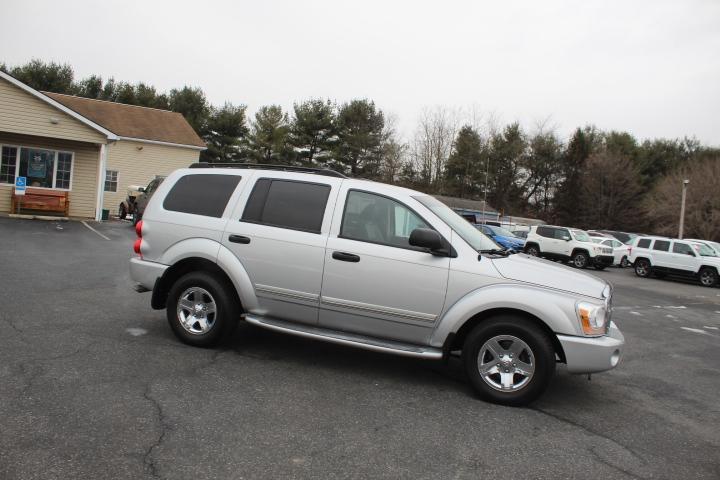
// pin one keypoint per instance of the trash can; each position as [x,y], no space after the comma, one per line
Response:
[105,215]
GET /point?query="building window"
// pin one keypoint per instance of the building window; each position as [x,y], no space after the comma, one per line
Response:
[8,160]
[43,168]
[111,180]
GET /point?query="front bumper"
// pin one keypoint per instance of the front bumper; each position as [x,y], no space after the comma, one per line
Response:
[593,354]
[146,273]
[606,260]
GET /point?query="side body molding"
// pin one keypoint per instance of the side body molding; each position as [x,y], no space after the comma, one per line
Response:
[555,309]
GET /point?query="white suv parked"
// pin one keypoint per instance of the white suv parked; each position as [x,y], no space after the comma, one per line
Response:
[567,244]
[313,253]
[666,256]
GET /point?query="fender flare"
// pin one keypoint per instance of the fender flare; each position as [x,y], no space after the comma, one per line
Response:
[553,308]
[222,257]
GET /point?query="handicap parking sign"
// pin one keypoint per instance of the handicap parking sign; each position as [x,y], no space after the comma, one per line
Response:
[20,183]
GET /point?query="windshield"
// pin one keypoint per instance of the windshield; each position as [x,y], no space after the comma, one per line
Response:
[704,250]
[500,231]
[474,237]
[580,236]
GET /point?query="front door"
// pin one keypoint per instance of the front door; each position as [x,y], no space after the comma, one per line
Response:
[279,235]
[374,282]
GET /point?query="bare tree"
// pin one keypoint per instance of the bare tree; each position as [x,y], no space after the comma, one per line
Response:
[393,151]
[433,144]
[702,211]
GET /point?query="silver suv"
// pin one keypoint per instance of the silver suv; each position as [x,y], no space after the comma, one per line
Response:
[365,264]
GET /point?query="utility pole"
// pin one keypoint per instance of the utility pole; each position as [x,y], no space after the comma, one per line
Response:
[682,208]
[487,172]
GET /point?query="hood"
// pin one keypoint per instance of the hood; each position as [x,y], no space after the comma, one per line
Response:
[510,240]
[544,273]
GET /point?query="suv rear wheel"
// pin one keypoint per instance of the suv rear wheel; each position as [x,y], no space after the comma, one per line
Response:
[642,268]
[201,310]
[509,360]
[532,250]
[708,277]
[580,260]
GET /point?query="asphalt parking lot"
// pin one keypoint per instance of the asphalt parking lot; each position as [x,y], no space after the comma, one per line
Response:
[94,385]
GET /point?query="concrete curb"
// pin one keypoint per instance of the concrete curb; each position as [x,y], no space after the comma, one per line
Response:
[39,217]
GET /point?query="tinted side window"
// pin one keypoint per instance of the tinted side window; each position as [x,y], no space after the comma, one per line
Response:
[377,219]
[683,248]
[201,194]
[562,234]
[287,204]
[661,245]
[644,243]
[546,232]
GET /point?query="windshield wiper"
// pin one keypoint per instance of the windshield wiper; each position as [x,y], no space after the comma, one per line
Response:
[494,251]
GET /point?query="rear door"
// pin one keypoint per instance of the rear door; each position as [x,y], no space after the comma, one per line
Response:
[278,232]
[375,283]
[550,244]
[661,256]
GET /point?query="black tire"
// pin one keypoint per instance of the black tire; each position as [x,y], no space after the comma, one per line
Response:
[708,277]
[580,260]
[600,266]
[532,250]
[122,212]
[226,315]
[642,268]
[533,336]
[624,262]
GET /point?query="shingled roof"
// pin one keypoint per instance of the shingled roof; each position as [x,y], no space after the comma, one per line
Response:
[133,121]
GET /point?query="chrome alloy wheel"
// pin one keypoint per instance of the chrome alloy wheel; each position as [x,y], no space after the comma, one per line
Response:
[506,363]
[196,310]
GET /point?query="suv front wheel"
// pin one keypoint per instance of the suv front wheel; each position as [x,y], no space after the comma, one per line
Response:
[201,309]
[509,360]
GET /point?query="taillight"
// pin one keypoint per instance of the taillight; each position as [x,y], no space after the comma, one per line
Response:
[138,241]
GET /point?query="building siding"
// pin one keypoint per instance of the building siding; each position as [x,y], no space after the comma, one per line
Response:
[82,195]
[137,163]
[23,113]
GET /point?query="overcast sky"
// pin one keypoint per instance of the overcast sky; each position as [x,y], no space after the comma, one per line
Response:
[650,67]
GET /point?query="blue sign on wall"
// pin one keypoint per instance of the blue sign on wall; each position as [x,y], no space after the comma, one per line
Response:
[20,183]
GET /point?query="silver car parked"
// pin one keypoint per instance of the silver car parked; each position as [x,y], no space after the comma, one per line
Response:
[365,264]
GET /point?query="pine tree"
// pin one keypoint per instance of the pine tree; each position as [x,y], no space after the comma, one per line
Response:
[360,133]
[225,132]
[268,138]
[464,164]
[313,131]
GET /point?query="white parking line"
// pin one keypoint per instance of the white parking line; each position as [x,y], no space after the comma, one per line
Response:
[711,328]
[696,330]
[88,226]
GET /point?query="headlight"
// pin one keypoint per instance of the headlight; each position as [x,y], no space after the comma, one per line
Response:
[593,318]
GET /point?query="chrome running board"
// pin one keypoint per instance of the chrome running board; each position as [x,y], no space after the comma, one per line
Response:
[345,338]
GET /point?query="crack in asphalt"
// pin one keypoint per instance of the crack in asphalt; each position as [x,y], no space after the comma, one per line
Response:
[587,430]
[148,460]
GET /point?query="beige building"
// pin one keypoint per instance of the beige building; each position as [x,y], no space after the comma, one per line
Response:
[91,149]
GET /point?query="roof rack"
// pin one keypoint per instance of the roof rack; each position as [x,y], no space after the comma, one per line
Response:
[260,166]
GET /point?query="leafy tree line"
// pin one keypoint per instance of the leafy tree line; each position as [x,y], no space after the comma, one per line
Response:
[594,179]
